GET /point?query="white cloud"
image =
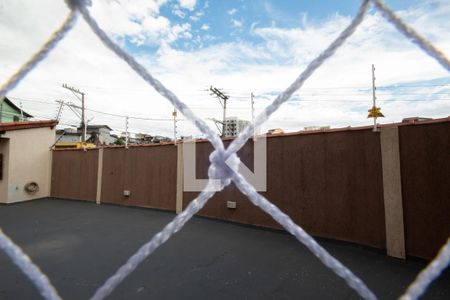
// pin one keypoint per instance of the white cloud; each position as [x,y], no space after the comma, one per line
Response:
[187,4]
[178,12]
[235,23]
[240,67]
[139,21]
[232,11]
[197,16]
[180,31]
[194,18]
[205,27]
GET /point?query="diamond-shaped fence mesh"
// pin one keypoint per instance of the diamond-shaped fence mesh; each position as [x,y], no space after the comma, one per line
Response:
[218,168]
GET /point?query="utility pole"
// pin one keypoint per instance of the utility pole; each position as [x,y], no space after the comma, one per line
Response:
[223,101]
[174,114]
[374,112]
[82,125]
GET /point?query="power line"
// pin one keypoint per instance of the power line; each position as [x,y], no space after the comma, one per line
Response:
[352,87]
[93,110]
[123,88]
[246,98]
[331,100]
[130,117]
[31,100]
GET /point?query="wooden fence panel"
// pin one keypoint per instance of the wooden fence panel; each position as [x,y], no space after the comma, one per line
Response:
[148,172]
[425,170]
[74,174]
[329,183]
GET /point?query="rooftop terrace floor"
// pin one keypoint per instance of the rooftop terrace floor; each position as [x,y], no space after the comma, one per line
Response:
[79,245]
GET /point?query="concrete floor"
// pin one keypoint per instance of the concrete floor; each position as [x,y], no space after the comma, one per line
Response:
[78,245]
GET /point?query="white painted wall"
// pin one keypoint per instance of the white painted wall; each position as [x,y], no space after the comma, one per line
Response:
[29,161]
[4,149]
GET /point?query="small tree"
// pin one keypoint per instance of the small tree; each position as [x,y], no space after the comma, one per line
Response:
[119,141]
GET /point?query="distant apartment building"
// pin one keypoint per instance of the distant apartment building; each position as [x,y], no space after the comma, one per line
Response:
[234,126]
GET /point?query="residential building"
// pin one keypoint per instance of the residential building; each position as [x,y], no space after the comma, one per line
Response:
[131,137]
[25,160]
[9,112]
[68,135]
[143,138]
[99,134]
[315,128]
[415,119]
[275,131]
[96,134]
[161,139]
[234,125]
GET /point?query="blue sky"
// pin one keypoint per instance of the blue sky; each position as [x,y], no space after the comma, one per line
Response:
[243,47]
[215,22]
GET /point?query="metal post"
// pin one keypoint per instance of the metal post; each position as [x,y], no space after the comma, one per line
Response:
[84,132]
[253,115]
[21,112]
[58,114]
[174,114]
[126,132]
[224,116]
[374,97]
[83,122]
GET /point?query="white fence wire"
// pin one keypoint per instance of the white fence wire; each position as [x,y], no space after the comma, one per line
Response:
[218,168]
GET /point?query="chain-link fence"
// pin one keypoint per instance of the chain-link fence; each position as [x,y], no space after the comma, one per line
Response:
[224,162]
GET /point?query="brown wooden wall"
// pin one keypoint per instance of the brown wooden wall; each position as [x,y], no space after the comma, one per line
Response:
[329,183]
[149,173]
[425,171]
[74,174]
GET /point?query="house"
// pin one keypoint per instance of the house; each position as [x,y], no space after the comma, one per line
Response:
[316,128]
[68,135]
[143,138]
[99,134]
[95,134]
[9,112]
[131,137]
[25,160]
[161,139]
[275,131]
[415,119]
